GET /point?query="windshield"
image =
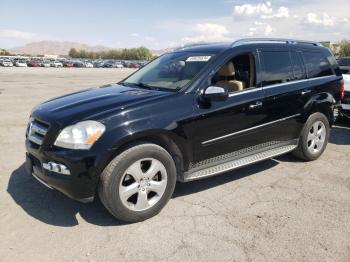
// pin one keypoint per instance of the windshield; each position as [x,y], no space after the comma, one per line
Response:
[171,71]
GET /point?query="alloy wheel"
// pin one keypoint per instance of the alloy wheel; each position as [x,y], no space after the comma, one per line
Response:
[316,137]
[143,184]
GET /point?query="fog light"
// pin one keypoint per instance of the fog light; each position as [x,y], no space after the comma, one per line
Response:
[57,168]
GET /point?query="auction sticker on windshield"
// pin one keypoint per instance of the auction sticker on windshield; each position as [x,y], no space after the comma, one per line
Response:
[198,58]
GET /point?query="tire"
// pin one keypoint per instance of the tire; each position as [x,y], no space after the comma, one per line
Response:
[310,149]
[132,172]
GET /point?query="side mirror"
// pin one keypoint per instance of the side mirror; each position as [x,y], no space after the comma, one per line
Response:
[215,93]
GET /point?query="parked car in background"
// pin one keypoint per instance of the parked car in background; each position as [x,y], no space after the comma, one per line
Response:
[135,65]
[344,63]
[68,64]
[14,60]
[45,63]
[34,63]
[88,64]
[21,63]
[190,114]
[118,64]
[78,64]
[109,64]
[6,63]
[56,64]
[143,63]
[98,64]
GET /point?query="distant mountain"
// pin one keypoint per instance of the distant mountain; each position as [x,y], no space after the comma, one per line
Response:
[54,48]
[63,47]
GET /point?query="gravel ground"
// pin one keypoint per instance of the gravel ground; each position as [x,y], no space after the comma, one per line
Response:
[277,210]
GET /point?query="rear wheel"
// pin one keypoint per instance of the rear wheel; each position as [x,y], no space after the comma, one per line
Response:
[138,183]
[314,137]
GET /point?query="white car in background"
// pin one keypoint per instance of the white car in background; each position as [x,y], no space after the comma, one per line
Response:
[45,64]
[346,100]
[88,65]
[56,64]
[345,106]
[346,78]
[6,63]
[21,63]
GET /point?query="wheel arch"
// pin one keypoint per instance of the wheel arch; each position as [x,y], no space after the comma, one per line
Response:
[178,149]
[322,103]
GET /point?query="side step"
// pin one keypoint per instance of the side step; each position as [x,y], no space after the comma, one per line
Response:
[233,164]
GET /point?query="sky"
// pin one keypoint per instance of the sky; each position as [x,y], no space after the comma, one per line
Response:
[159,24]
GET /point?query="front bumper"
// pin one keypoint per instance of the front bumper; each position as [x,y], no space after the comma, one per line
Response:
[82,182]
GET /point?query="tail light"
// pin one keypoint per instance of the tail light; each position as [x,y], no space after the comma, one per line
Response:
[341,90]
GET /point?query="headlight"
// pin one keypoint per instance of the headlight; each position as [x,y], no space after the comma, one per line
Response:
[81,135]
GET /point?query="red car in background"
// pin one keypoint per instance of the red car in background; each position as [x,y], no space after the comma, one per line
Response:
[134,65]
[68,64]
[34,63]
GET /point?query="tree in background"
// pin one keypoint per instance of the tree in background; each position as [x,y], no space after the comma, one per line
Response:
[344,48]
[140,53]
[4,52]
[73,53]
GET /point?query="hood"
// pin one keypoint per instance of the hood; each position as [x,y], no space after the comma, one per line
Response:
[94,103]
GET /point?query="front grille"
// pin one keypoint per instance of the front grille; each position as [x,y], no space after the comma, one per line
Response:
[36,131]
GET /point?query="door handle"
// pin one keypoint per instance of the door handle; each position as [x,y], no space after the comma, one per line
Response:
[256,105]
[306,91]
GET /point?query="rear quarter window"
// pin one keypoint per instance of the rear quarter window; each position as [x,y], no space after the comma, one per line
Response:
[277,67]
[316,64]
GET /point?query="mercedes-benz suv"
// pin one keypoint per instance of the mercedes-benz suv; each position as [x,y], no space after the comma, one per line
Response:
[192,113]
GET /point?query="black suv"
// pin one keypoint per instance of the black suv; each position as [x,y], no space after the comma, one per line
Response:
[190,114]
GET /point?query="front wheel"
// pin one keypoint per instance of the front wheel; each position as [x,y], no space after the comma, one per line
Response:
[138,183]
[314,137]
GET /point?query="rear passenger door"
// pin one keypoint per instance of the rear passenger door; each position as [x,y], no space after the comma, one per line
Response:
[282,73]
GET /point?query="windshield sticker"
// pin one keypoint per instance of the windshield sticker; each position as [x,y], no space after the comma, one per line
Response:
[198,58]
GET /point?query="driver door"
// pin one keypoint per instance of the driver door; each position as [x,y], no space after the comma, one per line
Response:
[237,123]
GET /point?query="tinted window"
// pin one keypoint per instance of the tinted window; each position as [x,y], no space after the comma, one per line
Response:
[277,67]
[316,64]
[298,67]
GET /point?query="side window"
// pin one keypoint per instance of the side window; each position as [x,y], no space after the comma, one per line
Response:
[298,67]
[316,64]
[237,74]
[277,67]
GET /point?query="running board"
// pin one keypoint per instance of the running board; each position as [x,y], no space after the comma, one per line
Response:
[237,163]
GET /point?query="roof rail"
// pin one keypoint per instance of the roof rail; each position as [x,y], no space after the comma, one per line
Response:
[273,40]
[195,44]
